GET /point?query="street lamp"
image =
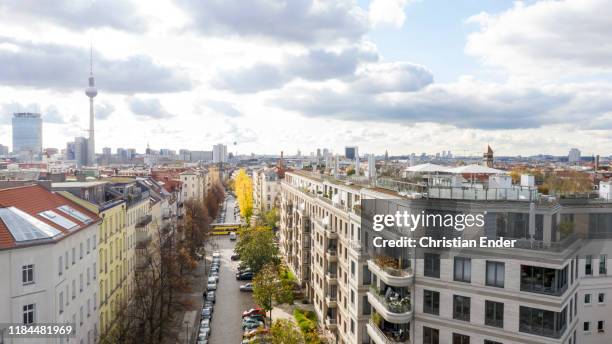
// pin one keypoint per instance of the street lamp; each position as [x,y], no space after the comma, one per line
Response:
[187,332]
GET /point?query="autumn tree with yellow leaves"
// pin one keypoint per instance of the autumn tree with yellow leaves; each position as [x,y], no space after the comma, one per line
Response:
[243,185]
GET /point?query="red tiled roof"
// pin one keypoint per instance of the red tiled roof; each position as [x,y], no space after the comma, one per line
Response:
[33,199]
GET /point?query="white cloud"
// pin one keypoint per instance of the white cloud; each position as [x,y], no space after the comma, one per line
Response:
[387,12]
[547,39]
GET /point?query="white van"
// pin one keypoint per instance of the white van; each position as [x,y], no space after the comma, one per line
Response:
[232,235]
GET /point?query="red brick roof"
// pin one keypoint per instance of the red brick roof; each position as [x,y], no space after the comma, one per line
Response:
[33,199]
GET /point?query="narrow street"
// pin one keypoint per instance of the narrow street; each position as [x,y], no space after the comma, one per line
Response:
[227,315]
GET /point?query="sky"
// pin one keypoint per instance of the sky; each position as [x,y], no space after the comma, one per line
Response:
[526,77]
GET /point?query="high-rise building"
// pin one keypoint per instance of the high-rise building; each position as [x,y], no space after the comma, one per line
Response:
[350,152]
[27,133]
[80,151]
[106,151]
[91,91]
[573,156]
[219,153]
[4,150]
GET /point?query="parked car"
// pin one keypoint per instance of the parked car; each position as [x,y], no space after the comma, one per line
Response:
[250,323]
[210,296]
[206,313]
[216,254]
[214,268]
[235,256]
[232,236]
[205,323]
[213,277]
[242,267]
[204,333]
[245,276]
[246,287]
[255,332]
[211,286]
[254,312]
[203,337]
[209,304]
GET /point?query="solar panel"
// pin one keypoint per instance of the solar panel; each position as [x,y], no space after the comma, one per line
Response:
[58,219]
[66,209]
[25,227]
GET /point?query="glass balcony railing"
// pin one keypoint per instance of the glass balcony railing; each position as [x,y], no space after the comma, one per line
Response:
[394,304]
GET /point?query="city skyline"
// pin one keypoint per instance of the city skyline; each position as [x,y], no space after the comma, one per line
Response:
[372,77]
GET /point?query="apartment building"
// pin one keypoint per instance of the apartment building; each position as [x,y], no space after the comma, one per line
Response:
[195,184]
[48,251]
[534,293]
[112,255]
[266,189]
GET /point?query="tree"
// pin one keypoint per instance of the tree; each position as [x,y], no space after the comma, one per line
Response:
[270,217]
[269,287]
[264,285]
[284,331]
[256,247]
[244,193]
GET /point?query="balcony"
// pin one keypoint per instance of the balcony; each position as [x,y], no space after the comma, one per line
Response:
[331,300]
[331,278]
[143,221]
[331,255]
[397,310]
[331,234]
[380,336]
[394,276]
[331,324]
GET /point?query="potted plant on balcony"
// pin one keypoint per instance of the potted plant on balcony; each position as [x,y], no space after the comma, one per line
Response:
[377,319]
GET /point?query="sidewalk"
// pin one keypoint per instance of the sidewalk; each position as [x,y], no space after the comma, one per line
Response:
[191,314]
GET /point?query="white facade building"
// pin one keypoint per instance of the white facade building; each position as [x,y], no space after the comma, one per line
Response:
[51,279]
[535,293]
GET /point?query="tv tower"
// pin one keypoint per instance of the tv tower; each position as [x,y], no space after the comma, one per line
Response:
[91,92]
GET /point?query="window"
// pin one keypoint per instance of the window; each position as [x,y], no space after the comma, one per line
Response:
[27,274]
[463,269]
[88,245]
[431,335]
[432,265]
[81,282]
[66,260]
[588,265]
[73,289]
[537,279]
[431,302]
[601,297]
[61,302]
[603,269]
[94,242]
[28,314]
[586,326]
[461,307]
[80,250]
[352,326]
[488,341]
[61,265]
[94,271]
[495,274]
[587,299]
[542,322]
[73,256]
[494,313]
[460,339]
[600,326]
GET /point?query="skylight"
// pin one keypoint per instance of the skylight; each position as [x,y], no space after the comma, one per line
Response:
[58,219]
[66,209]
[25,227]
